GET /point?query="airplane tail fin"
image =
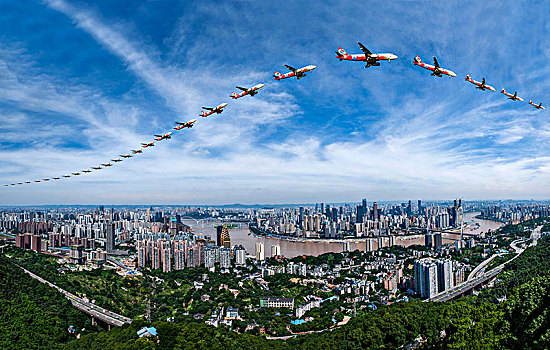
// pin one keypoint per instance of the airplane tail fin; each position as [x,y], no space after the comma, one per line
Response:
[468,76]
[502,90]
[233,94]
[202,114]
[530,102]
[276,74]
[417,59]
[341,52]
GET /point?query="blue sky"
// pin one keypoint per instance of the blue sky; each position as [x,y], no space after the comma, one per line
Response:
[81,82]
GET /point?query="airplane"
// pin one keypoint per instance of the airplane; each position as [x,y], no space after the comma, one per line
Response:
[55,178]
[76,173]
[66,175]
[189,124]
[116,160]
[19,183]
[251,91]
[27,182]
[371,58]
[6,185]
[134,151]
[513,97]
[14,184]
[46,179]
[106,164]
[86,171]
[125,155]
[34,181]
[166,136]
[480,86]
[150,144]
[97,167]
[217,110]
[436,69]
[539,106]
[298,73]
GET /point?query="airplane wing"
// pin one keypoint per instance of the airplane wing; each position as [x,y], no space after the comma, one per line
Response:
[290,68]
[208,108]
[436,64]
[241,88]
[364,49]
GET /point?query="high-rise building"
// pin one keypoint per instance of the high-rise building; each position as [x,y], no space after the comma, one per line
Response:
[425,278]
[375,211]
[223,239]
[225,258]
[173,226]
[260,253]
[240,255]
[110,243]
[445,278]
[438,241]
[275,250]
[420,207]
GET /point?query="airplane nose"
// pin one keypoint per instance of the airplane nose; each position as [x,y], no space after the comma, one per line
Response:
[260,86]
[313,67]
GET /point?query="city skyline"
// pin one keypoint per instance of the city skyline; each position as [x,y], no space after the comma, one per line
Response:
[83,83]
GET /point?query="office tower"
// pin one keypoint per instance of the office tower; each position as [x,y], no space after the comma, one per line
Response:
[420,207]
[322,208]
[260,254]
[240,255]
[223,237]
[425,278]
[438,241]
[444,275]
[375,211]
[110,243]
[173,226]
[301,218]
[359,213]
[275,250]
[364,204]
[409,209]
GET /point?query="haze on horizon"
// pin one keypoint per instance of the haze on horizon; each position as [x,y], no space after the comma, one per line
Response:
[81,83]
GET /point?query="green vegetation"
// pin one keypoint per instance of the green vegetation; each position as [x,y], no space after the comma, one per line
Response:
[33,315]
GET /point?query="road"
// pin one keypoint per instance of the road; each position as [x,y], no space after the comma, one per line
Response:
[483,276]
[85,306]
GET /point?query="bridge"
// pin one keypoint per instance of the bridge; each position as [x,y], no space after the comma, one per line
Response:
[96,312]
[423,229]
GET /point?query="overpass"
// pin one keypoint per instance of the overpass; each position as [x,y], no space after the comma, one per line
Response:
[96,312]
[480,276]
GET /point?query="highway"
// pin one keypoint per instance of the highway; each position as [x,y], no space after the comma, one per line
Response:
[105,315]
[481,276]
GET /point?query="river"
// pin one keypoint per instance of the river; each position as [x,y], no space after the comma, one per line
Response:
[241,236]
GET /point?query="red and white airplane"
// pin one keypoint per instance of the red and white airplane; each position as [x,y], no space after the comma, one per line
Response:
[116,160]
[298,73]
[251,91]
[27,182]
[76,173]
[367,56]
[86,171]
[539,106]
[135,151]
[106,164]
[125,155]
[513,97]
[55,178]
[46,179]
[34,181]
[480,86]
[189,124]
[436,69]
[97,167]
[67,175]
[217,110]
[166,136]
[145,145]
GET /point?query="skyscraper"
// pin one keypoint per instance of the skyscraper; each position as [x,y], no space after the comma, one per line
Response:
[110,243]
[444,275]
[223,237]
[375,211]
[260,253]
[240,255]
[425,278]
[275,250]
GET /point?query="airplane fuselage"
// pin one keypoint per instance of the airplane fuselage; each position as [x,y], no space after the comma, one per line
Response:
[480,85]
[437,71]
[252,91]
[513,97]
[216,110]
[299,73]
[363,57]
